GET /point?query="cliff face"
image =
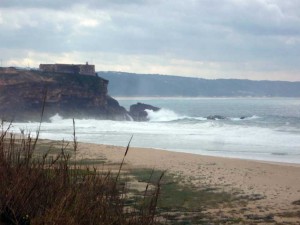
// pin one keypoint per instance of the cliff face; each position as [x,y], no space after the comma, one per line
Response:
[70,95]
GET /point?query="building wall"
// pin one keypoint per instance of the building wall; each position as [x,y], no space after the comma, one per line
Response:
[65,68]
[87,69]
[83,69]
[47,67]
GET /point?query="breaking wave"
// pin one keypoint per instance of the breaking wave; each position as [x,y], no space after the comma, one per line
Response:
[249,130]
[55,118]
[245,118]
[167,115]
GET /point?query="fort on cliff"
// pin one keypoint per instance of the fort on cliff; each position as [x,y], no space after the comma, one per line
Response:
[82,69]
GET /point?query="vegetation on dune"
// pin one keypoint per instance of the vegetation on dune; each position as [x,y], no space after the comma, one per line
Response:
[184,203]
[53,188]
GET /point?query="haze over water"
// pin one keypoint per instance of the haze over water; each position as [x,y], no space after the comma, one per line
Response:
[269,130]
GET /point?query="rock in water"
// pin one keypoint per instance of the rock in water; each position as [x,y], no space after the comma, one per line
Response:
[216,117]
[138,113]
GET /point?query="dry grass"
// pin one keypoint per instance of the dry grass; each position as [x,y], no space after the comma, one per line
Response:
[49,189]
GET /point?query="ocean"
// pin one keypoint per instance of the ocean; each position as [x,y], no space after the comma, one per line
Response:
[266,129]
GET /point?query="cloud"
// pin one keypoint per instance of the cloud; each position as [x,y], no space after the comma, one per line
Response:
[209,35]
[63,5]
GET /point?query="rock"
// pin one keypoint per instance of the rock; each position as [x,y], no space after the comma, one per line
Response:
[216,117]
[115,111]
[138,113]
[69,95]
[243,117]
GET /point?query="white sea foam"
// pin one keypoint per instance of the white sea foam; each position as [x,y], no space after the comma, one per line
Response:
[166,115]
[163,115]
[56,118]
[204,137]
[269,134]
[243,118]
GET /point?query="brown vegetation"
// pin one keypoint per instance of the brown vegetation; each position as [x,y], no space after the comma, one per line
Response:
[55,189]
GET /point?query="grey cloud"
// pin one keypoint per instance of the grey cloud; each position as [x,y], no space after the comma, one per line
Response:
[207,30]
[60,5]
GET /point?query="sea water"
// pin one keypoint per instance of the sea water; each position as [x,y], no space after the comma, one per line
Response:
[265,129]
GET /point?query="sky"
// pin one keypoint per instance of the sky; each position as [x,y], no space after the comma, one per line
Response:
[243,39]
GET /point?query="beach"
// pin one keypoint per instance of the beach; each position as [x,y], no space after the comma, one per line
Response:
[271,189]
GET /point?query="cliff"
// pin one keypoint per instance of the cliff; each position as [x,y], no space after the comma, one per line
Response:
[70,95]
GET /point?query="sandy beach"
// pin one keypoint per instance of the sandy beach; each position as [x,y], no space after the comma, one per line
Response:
[271,188]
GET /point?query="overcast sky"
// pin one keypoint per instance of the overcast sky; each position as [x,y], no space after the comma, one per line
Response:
[247,39]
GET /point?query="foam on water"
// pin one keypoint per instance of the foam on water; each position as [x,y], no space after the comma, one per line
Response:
[56,118]
[203,137]
[254,117]
[270,130]
[167,115]
[162,115]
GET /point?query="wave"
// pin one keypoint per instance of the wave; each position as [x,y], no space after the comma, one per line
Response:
[55,118]
[245,118]
[162,115]
[210,137]
[167,115]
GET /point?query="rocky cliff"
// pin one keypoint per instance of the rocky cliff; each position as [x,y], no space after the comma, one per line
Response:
[70,95]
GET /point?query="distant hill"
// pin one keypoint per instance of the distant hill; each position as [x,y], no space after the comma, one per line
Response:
[129,84]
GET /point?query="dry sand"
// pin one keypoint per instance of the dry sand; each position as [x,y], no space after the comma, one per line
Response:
[276,186]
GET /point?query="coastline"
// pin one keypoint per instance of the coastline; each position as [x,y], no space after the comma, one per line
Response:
[272,187]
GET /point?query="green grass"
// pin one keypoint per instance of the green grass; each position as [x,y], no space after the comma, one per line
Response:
[183,203]
[177,197]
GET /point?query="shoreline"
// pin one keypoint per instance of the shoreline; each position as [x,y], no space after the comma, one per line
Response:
[273,187]
[199,154]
